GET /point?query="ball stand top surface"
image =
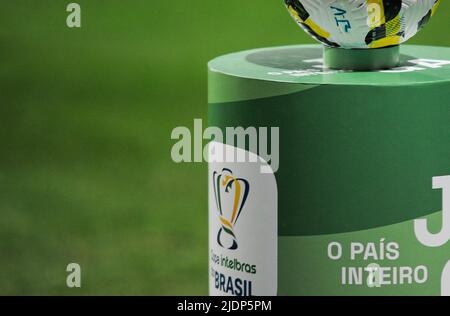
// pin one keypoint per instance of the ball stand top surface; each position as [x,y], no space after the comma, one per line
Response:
[304,64]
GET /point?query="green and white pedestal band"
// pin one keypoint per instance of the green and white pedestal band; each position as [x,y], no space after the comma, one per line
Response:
[360,204]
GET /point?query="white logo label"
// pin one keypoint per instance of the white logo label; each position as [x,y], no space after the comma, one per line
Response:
[243,227]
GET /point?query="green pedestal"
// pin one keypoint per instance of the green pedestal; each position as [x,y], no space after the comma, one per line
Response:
[359,152]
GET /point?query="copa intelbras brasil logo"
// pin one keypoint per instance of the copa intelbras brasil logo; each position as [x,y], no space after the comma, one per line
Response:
[231,194]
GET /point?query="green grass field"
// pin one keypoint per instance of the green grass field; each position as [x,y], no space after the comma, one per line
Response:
[85,122]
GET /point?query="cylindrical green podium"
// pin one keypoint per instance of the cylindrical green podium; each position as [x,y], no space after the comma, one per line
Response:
[358,202]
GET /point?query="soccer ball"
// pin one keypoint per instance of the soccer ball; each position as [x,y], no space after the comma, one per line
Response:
[362,23]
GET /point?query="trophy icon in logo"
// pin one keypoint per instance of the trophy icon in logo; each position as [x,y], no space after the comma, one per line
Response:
[231,194]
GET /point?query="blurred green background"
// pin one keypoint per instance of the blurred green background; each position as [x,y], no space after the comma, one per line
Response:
[85,122]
